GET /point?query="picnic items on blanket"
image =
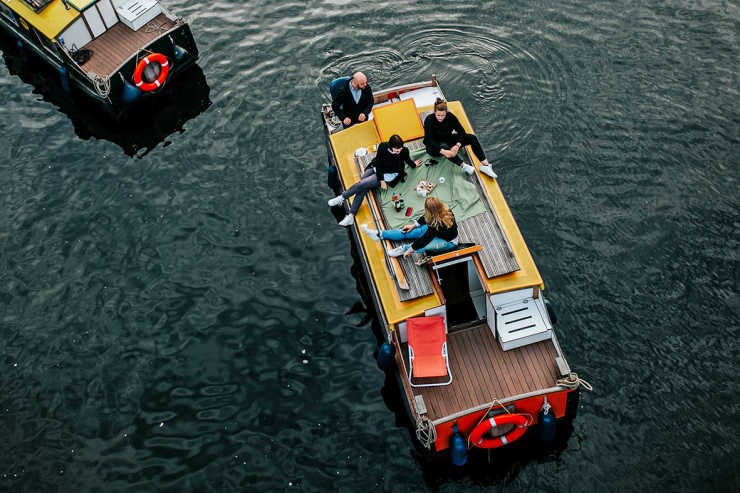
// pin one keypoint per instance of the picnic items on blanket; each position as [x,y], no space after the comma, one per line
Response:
[458,192]
[424,187]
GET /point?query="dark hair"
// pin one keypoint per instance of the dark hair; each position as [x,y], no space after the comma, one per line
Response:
[395,142]
[440,105]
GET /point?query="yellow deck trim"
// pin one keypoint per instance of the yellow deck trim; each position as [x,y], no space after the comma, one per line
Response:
[50,21]
[527,275]
[345,143]
[365,134]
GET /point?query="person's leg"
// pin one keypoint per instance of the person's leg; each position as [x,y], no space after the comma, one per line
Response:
[369,180]
[455,159]
[472,141]
[367,183]
[485,166]
[397,235]
[437,245]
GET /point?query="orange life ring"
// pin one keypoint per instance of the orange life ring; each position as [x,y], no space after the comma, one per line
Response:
[519,420]
[150,86]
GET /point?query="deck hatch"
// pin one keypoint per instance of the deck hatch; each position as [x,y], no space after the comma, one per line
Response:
[521,321]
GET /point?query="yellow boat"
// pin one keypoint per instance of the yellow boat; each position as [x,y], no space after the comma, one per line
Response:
[506,373]
[117,52]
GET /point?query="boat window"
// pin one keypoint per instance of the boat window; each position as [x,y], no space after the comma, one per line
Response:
[107,12]
[92,16]
[75,36]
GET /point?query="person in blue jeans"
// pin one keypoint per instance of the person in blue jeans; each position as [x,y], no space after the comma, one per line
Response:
[387,169]
[434,232]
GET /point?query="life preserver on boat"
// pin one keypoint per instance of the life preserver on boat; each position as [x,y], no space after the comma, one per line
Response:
[519,421]
[157,83]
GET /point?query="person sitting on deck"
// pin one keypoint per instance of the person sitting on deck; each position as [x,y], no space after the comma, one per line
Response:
[386,169]
[444,136]
[353,100]
[434,232]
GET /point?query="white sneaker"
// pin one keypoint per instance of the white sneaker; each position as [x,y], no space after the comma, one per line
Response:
[373,234]
[488,170]
[348,220]
[397,252]
[468,169]
[338,200]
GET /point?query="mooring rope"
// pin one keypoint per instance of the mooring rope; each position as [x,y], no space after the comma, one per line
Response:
[102,86]
[154,27]
[573,381]
[426,433]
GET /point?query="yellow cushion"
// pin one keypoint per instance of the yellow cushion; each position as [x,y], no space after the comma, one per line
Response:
[398,118]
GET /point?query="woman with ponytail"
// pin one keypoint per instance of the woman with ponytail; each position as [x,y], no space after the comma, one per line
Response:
[445,136]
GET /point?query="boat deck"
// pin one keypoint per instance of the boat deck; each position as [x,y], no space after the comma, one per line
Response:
[119,43]
[482,371]
[496,256]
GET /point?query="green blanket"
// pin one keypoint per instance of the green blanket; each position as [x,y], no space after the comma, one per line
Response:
[456,191]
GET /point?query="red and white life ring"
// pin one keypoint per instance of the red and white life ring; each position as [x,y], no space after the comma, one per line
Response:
[520,422]
[165,68]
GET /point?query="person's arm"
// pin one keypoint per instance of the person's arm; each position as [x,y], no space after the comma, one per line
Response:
[366,101]
[406,157]
[429,142]
[456,126]
[337,102]
[381,160]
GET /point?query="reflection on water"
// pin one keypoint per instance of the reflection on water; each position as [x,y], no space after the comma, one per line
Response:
[145,127]
[189,321]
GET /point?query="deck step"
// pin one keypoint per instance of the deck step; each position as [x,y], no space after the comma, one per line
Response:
[520,321]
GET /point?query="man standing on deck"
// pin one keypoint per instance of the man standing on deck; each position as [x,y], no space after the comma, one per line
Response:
[354,100]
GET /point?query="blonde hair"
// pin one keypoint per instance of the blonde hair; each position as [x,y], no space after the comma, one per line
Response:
[437,214]
[440,105]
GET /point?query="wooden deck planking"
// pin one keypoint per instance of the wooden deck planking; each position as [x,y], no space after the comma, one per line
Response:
[119,43]
[482,371]
[535,372]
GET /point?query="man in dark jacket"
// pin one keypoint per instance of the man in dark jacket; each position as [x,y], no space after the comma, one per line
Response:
[353,102]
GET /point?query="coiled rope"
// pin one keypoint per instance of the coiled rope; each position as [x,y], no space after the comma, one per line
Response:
[573,381]
[426,433]
[154,27]
[102,86]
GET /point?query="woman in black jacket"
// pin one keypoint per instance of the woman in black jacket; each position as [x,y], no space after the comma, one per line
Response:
[386,169]
[444,136]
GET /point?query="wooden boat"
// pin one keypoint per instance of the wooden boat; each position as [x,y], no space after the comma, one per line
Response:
[117,52]
[503,355]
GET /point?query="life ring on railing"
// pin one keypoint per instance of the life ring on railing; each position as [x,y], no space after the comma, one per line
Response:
[164,68]
[519,421]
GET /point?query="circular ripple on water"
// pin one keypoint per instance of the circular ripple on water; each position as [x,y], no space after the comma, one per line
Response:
[508,90]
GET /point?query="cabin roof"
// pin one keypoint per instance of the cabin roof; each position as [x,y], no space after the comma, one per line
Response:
[345,142]
[50,21]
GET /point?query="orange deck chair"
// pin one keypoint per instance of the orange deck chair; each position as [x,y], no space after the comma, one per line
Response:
[427,350]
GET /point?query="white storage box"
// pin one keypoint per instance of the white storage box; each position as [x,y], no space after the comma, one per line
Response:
[136,13]
[520,319]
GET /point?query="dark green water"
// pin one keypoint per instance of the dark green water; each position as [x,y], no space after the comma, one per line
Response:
[178,310]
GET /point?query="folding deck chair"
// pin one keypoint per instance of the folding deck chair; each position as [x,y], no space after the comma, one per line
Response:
[427,350]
